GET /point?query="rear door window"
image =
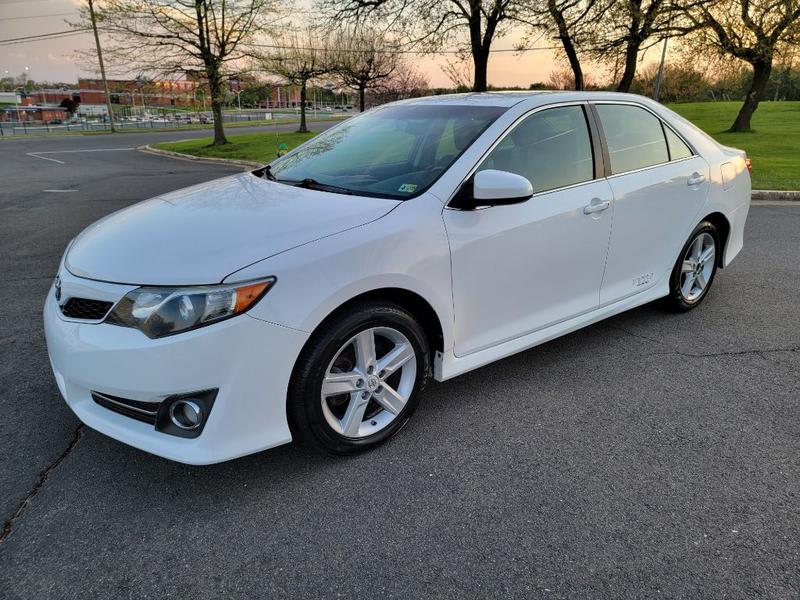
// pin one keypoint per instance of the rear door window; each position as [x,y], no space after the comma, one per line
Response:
[634,137]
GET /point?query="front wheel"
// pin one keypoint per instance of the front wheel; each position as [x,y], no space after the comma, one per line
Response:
[359,379]
[694,272]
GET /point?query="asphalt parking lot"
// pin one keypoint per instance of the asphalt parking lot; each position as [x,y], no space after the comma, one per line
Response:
[652,455]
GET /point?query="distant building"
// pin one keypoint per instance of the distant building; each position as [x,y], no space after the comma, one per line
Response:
[288,96]
[28,111]
[138,92]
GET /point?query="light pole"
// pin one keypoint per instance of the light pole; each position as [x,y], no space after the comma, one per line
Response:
[660,76]
[102,66]
[239,99]
[17,96]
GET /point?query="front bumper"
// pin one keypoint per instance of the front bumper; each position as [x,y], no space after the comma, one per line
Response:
[248,360]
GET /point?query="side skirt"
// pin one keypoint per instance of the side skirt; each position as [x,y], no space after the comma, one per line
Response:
[448,365]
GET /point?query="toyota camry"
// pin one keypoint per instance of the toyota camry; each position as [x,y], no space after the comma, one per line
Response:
[312,298]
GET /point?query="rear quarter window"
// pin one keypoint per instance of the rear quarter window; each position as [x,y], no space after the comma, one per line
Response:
[677,147]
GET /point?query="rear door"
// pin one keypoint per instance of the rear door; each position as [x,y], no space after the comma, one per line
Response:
[659,185]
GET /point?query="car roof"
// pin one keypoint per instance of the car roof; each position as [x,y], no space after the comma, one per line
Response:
[512,98]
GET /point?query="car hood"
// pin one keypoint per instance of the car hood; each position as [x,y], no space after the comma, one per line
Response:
[201,234]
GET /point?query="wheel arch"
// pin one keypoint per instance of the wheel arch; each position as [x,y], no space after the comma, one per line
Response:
[723,226]
[413,302]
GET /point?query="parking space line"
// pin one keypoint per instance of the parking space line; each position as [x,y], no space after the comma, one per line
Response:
[61,162]
[36,155]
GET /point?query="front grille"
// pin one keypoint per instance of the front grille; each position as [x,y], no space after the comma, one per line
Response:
[85,308]
[135,409]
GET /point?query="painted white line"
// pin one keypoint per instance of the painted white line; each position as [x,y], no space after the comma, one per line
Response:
[88,150]
[35,155]
[60,191]
[61,162]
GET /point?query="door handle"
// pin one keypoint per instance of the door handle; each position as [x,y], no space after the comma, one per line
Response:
[695,179]
[595,206]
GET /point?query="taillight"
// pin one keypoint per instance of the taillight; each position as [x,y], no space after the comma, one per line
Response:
[749,163]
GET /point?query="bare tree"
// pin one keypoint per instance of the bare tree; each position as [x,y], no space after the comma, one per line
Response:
[628,27]
[433,23]
[564,79]
[751,31]
[299,59]
[573,22]
[171,37]
[405,82]
[363,58]
[458,71]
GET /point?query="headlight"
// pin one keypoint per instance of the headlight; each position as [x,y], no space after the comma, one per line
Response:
[160,311]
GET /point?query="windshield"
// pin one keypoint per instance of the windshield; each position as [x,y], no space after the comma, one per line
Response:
[393,152]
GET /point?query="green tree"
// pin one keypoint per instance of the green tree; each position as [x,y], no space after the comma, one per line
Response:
[751,31]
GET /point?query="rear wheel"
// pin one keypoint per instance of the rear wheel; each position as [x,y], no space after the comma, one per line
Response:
[359,379]
[694,272]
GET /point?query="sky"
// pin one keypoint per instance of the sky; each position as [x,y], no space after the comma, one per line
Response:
[55,60]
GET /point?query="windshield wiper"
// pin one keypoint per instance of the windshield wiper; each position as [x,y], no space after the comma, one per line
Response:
[266,172]
[313,184]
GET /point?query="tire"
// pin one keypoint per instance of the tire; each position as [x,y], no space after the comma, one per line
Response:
[685,287]
[337,358]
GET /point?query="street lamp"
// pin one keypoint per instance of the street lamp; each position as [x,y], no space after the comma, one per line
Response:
[239,99]
[17,95]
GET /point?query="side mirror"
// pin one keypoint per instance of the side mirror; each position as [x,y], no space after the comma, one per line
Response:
[492,188]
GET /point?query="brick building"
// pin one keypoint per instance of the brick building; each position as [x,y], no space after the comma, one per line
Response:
[130,92]
[28,111]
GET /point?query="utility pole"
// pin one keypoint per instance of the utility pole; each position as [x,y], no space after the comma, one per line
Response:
[102,66]
[660,76]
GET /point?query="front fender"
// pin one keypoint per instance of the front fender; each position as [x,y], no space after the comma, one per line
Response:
[406,249]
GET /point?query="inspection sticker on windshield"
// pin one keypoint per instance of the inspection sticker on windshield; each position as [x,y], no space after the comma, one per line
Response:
[407,187]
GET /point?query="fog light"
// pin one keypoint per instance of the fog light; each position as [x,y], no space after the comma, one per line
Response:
[186,414]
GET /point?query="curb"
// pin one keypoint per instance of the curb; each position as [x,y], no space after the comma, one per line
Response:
[245,164]
[773,195]
[756,195]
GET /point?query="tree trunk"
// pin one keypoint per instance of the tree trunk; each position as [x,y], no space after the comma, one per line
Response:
[574,62]
[361,98]
[219,131]
[481,60]
[566,42]
[761,73]
[631,56]
[216,109]
[303,95]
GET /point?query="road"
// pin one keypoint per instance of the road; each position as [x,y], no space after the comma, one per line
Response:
[651,455]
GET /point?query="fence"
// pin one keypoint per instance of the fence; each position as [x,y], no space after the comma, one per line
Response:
[165,121]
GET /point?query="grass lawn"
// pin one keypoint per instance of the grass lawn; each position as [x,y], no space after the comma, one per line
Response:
[260,147]
[774,144]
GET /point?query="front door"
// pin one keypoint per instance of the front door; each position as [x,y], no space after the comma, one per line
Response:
[523,267]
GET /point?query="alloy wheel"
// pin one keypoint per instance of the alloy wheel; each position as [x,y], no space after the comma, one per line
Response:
[368,382]
[697,267]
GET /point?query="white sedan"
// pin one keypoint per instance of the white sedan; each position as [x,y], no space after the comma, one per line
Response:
[313,298]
